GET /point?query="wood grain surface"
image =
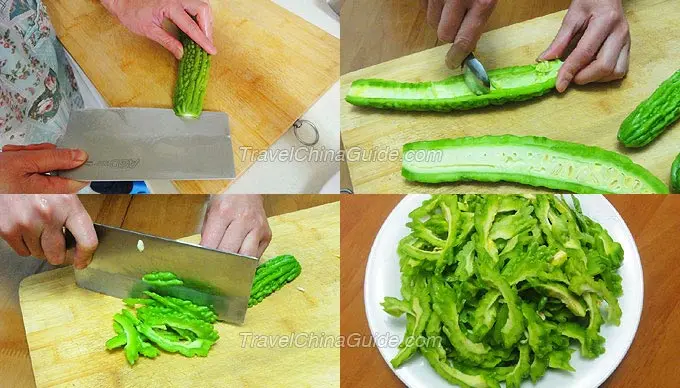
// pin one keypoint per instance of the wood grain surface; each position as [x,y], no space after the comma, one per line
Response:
[157,215]
[66,326]
[381,30]
[271,66]
[653,357]
[588,114]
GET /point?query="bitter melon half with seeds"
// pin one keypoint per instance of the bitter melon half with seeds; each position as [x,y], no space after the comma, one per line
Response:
[535,161]
[508,84]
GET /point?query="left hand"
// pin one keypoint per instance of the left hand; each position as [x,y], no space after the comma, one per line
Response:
[236,223]
[603,50]
[145,17]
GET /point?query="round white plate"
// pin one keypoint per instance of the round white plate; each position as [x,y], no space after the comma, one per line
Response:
[382,279]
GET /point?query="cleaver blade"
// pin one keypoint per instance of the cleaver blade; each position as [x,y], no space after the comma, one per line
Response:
[211,277]
[127,144]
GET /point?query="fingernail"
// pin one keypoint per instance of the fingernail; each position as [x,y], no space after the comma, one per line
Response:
[78,156]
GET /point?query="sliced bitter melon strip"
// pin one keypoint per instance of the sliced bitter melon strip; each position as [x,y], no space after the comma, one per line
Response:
[531,160]
[508,84]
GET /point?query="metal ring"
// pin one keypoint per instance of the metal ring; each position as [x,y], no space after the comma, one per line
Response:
[346,191]
[298,124]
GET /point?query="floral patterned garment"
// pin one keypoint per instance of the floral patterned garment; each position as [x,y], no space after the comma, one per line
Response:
[37,85]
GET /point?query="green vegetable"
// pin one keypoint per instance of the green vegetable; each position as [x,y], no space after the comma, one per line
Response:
[675,175]
[162,279]
[272,275]
[507,84]
[497,288]
[530,160]
[171,324]
[652,116]
[192,79]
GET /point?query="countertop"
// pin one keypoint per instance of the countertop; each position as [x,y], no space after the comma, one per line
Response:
[650,362]
[277,175]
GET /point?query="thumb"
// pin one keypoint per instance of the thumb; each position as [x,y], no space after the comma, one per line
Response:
[52,160]
[29,147]
[42,184]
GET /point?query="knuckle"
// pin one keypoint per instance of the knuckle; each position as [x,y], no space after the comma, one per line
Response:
[486,4]
[464,42]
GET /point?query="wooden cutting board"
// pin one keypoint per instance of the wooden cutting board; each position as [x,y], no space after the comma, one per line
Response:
[67,326]
[588,114]
[270,68]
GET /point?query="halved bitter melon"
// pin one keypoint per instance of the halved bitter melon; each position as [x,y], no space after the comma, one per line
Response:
[535,161]
[508,84]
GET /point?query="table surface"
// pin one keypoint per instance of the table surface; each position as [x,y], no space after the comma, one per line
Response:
[170,216]
[651,360]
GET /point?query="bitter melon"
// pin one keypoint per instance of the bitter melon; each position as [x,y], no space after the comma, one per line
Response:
[530,160]
[507,84]
[652,116]
[273,275]
[675,175]
[192,79]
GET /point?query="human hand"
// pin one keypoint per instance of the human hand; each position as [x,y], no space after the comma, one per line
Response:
[236,223]
[22,169]
[33,225]
[603,49]
[145,18]
[458,21]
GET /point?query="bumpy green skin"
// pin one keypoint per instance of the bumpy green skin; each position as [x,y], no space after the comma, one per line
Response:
[162,279]
[192,79]
[583,157]
[422,96]
[652,116]
[675,175]
[273,275]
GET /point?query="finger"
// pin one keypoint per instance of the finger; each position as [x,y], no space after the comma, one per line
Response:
[263,247]
[233,237]
[162,37]
[43,184]
[621,68]
[434,12]
[31,236]
[189,26]
[214,227]
[583,54]
[605,63]
[16,242]
[251,244]
[204,17]
[79,223]
[53,244]
[451,18]
[571,25]
[29,147]
[52,160]
[469,33]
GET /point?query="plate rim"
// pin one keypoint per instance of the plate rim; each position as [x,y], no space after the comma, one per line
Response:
[412,197]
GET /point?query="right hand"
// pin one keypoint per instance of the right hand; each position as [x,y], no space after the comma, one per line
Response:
[22,169]
[458,21]
[33,226]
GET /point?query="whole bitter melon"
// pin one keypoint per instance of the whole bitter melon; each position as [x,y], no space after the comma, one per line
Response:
[530,160]
[652,116]
[273,275]
[675,175]
[507,84]
[192,79]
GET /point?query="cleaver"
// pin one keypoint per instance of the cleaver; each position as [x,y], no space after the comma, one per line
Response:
[211,277]
[126,144]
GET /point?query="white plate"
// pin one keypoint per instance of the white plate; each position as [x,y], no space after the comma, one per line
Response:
[382,279]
